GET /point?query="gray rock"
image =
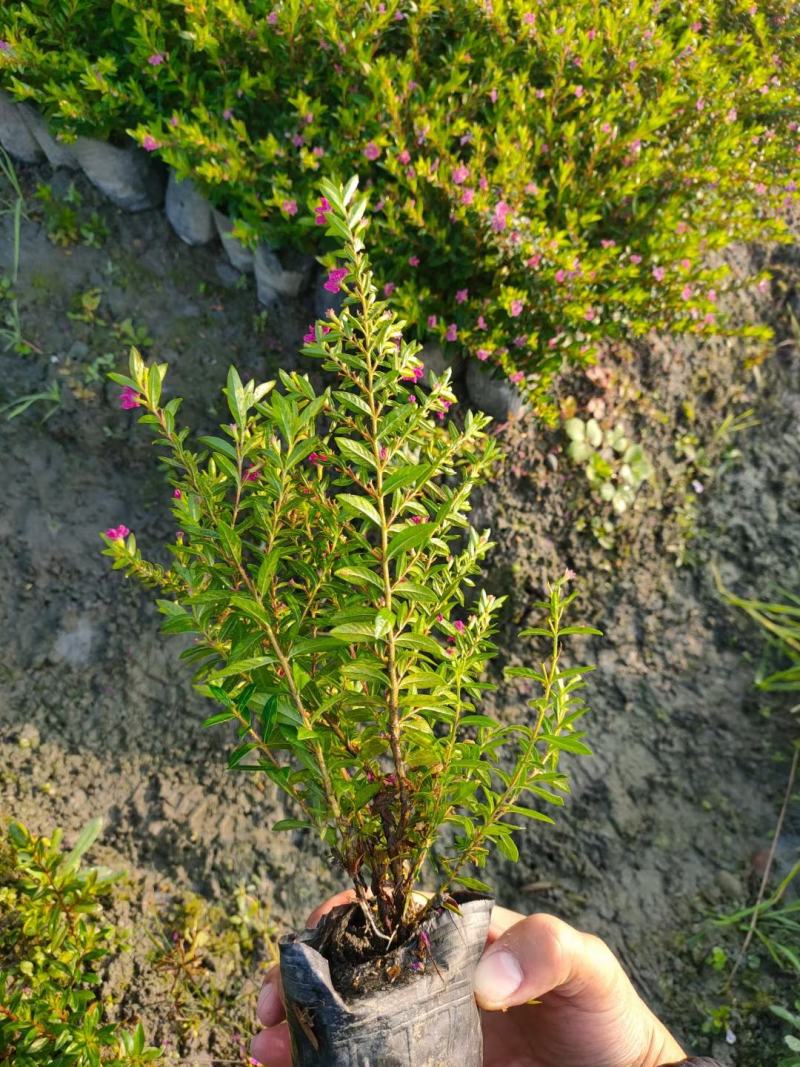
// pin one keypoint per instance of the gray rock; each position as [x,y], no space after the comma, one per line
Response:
[239,255]
[15,134]
[127,176]
[280,275]
[436,362]
[228,275]
[73,644]
[57,153]
[189,212]
[495,396]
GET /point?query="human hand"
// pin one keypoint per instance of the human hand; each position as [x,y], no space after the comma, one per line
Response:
[587,1012]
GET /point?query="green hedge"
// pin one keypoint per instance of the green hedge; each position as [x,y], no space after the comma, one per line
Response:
[543,174]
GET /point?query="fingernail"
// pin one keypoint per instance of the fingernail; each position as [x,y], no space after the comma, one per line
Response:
[497,978]
[266,1001]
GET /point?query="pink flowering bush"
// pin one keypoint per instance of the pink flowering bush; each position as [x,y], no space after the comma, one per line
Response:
[324,570]
[570,168]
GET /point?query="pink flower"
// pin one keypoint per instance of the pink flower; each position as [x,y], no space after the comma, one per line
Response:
[459,625]
[686,292]
[578,90]
[129,398]
[310,336]
[290,207]
[411,398]
[552,343]
[534,261]
[532,189]
[590,314]
[608,243]
[227,114]
[731,115]
[710,318]
[372,151]
[529,18]
[432,320]
[272,18]
[452,332]
[317,458]
[483,183]
[606,127]
[462,296]
[413,261]
[5,46]
[321,212]
[658,273]
[156,59]
[481,323]
[251,474]
[591,34]
[117,533]
[636,259]
[520,341]
[335,277]
[318,151]
[298,140]
[682,227]
[700,105]
[560,276]
[483,354]
[516,308]
[493,95]
[467,196]
[177,494]
[416,519]
[389,288]
[460,174]
[149,143]
[404,157]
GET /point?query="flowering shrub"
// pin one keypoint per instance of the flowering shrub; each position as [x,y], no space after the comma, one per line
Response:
[322,565]
[52,939]
[545,173]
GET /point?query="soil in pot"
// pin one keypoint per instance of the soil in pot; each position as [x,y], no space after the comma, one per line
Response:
[350,1005]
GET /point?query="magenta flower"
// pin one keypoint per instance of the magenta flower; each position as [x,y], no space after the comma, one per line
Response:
[520,341]
[529,18]
[710,318]
[552,342]
[272,18]
[607,243]
[389,288]
[372,151]
[416,519]
[416,375]
[460,174]
[129,398]
[606,127]
[483,354]
[251,474]
[149,143]
[318,151]
[5,46]
[590,314]
[636,259]
[404,157]
[432,320]
[117,533]
[682,227]
[290,207]
[310,336]
[452,332]
[481,323]
[467,196]
[578,90]
[516,308]
[534,262]
[731,115]
[462,295]
[156,59]
[411,398]
[493,95]
[560,276]
[591,34]
[532,189]
[227,114]
[686,292]
[317,458]
[516,377]
[658,273]
[177,494]
[413,261]
[459,625]
[298,140]
[335,277]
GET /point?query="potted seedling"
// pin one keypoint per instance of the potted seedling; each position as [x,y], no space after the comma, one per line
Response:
[324,567]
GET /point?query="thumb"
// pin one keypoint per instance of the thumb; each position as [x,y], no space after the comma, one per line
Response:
[542,954]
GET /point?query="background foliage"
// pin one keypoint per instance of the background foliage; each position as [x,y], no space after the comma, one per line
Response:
[543,173]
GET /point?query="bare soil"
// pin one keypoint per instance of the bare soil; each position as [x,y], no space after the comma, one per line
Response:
[98,717]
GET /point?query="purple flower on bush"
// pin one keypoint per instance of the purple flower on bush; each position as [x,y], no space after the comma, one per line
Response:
[462,295]
[372,151]
[404,157]
[432,320]
[290,207]
[590,314]
[481,323]
[467,196]
[389,288]
[298,140]
[658,273]
[416,375]
[636,259]
[493,95]
[310,336]
[451,333]
[227,114]
[483,354]
[516,308]
[459,625]
[413,261]
[416,519]
[686,292]
[5,46]
[272,18]
[156,59]
[321,212]
[129,398]
[335,277]
[177,494]
[149,143]
[578,90]
[117,533]
[460,174]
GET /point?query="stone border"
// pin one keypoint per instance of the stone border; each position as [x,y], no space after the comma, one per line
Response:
[135,181]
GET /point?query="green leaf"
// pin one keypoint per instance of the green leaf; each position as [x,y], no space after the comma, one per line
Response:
[474,884]
[220,716]
[360,574]
[361,505]
[86,839]
[410,537]
[355,452]
[292,824]
[384,621]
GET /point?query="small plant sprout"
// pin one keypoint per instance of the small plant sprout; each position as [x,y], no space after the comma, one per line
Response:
[614,466]
[327,568]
